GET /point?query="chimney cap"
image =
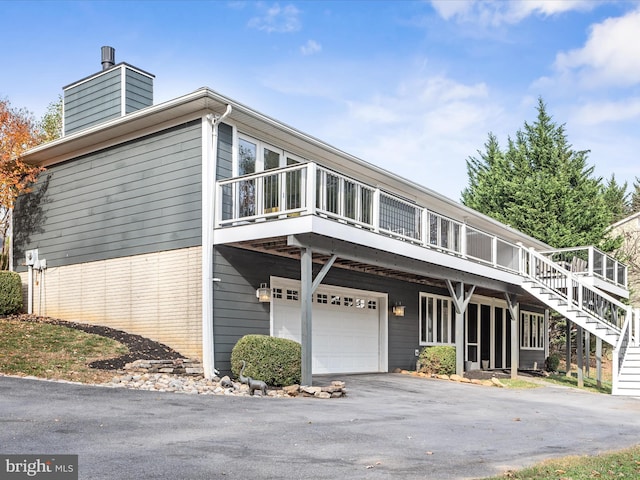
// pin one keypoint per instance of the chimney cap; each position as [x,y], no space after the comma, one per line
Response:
[108,57]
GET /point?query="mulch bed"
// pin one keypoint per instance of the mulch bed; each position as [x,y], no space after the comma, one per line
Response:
[140,348]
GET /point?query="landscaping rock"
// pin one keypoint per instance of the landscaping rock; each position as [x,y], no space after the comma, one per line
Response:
[497,383]
[198,385]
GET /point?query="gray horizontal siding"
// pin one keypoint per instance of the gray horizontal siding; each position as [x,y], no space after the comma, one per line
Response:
[237,312]
[225,152]
[224,165]
[139,197]
[139,91]
[92,102]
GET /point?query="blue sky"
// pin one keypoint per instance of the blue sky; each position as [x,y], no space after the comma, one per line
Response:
[412,86]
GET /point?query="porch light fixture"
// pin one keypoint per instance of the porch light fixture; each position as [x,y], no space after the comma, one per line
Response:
[263,293]
[398,310]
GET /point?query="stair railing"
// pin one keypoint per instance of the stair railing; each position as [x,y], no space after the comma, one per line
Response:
[578,294]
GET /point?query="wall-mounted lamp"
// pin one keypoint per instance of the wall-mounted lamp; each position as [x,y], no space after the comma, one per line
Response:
[398,310]
[263,293]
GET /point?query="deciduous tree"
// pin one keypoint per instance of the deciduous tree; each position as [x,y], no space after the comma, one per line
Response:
[18,132]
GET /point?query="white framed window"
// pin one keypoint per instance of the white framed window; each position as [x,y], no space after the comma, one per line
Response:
[532,333]
[257,156]
[270,194]
[437,320]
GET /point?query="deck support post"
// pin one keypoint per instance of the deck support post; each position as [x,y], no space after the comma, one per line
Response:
[460,303]
[306,317]
[514,310]
[568,348]
[587,353]
[308,285]
[599,362]
[580,355]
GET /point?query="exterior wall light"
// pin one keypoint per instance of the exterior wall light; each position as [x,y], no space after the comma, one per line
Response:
[263,293]
[398,310]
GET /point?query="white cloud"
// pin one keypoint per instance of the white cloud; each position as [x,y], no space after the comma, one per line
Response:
[609,57]
[424,130]
[277,19]
[607,112]
[498,12]
[310,48]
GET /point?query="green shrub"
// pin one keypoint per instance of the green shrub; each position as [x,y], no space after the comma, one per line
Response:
[10,293]
[552,362]
[275,361]
[440,360]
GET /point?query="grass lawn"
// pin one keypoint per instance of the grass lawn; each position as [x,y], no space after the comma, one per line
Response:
[53,351]
[572,381]
[622,464]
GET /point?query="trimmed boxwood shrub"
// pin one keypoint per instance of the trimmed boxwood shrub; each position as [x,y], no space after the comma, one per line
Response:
[275,361]
[10,292]
[552,362]
[439,360]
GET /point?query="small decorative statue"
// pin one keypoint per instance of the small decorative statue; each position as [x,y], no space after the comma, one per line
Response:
[253,384]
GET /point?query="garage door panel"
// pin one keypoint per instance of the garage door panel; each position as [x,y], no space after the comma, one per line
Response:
[345,338]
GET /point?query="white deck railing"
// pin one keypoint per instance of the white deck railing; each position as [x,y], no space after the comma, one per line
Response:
[309,189]
[592,262]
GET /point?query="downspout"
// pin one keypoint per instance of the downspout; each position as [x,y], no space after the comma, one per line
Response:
[10,235]
[209,167]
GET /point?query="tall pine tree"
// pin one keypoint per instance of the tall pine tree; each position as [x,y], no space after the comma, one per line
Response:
[634,206]
[539,185]
[617,199]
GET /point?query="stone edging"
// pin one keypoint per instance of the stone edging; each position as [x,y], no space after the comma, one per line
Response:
[493,382]
[185,376]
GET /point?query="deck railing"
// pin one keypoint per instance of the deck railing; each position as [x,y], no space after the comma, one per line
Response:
[578,295]
[592,262]
[309,189]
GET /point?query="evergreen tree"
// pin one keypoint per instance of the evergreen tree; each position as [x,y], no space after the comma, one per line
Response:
[539,185]
[616,199]
[635,197]
[51,123]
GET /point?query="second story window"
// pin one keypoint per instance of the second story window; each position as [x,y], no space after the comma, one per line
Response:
[256,156]
[271,193]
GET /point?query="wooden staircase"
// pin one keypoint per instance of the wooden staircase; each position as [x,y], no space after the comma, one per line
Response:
[592,309]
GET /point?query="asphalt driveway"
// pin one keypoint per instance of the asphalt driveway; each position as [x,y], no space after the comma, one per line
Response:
[390,426]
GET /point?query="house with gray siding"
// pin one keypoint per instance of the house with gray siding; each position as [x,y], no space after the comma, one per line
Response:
[199,220]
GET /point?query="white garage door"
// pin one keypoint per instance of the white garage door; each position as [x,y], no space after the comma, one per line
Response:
[346,333]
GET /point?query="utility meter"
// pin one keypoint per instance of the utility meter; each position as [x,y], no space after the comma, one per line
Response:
[31,257]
